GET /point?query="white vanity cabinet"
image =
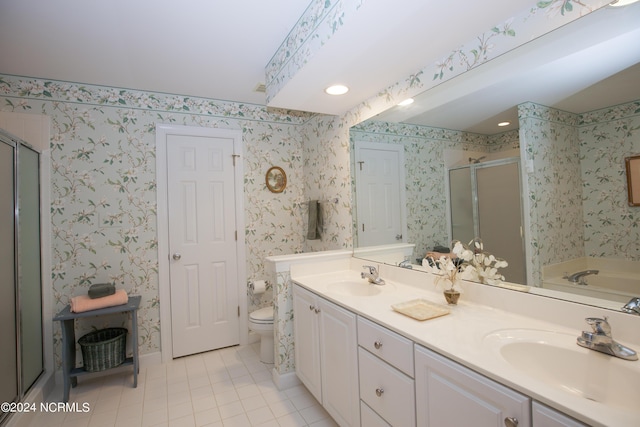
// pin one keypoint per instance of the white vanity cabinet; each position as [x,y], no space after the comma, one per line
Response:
[326,354]
[451,395]
[543,416]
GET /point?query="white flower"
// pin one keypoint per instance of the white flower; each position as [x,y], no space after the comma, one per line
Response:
[472,264]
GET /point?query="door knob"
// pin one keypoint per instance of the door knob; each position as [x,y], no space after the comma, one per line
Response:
[176,256]
[510,422]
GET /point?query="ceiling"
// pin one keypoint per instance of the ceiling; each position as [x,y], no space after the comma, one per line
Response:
[206,48]
[219,49]
[594,64]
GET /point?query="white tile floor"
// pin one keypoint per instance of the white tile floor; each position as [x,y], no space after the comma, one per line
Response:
[228,387]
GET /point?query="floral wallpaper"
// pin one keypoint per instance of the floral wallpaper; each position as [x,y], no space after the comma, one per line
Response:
[552,150]
[283,324]
[611,226]
[103,187]
[577,190]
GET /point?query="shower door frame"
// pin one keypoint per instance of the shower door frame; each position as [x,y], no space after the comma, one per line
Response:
[17,146]
[473,167]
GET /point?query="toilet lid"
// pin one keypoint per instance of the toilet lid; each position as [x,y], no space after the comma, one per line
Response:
[263,315]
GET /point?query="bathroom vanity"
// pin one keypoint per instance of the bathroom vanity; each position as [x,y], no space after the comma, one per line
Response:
[482,364]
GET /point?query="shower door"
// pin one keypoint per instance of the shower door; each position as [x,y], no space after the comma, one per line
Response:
[21,358]
[485,202]
[29,271]
[9,354]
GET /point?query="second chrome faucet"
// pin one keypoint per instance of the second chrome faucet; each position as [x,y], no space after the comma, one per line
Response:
[600,339]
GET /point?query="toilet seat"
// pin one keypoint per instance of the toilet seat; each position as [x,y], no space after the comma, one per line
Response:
[262,316]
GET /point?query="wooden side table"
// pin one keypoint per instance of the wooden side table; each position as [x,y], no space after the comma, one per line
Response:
[70,372]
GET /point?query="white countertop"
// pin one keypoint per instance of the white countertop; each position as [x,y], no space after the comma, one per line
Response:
[460,334]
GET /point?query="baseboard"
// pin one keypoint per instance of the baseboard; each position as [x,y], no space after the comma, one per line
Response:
[150,359]
[284,381]
[38,393]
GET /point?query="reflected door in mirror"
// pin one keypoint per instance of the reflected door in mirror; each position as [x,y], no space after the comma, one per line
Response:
[380,193]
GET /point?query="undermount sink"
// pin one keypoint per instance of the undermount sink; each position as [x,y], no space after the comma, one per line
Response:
[556,360]
[359,288]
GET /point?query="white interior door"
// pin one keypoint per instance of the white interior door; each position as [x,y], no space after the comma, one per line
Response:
[202,243]
[380,193]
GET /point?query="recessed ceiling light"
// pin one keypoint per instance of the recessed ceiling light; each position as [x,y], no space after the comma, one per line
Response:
[620,3]
[337,90]
[406,102]
[504,124]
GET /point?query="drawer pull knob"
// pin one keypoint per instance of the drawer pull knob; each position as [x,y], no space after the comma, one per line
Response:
[379,392]
[317,310]
[377,345]
[511,422]
[311,308]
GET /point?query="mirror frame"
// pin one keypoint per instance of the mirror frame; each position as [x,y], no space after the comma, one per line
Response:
[276,179]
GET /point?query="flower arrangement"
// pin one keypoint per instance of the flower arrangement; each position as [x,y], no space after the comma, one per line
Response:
[481,266]
[446,267]
[466,262]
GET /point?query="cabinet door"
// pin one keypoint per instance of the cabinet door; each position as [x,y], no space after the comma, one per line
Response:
[339,357]
[543,416]
[450,395]
[307,340]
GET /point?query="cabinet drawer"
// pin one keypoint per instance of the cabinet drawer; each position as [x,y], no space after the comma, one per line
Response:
[543,416]
[389,392]
[369,418]
[387,345]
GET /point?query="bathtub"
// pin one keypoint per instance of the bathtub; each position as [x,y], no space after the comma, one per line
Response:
[618,280]
[605,286]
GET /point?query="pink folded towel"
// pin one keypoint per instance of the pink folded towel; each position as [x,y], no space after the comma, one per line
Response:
[84,303]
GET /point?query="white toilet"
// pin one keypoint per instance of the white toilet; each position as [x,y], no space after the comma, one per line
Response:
[261,322]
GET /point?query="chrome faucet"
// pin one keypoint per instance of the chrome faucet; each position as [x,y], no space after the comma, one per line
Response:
[405,264]
[372,275]
[579,276]
[632,307]
[599,339]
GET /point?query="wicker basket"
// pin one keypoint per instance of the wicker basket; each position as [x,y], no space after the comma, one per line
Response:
[103,349]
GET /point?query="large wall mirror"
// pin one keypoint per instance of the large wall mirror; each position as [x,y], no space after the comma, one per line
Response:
[573,99]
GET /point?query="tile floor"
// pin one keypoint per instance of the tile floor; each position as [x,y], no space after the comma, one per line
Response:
[228,387]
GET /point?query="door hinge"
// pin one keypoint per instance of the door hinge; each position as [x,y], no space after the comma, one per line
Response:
[233,156]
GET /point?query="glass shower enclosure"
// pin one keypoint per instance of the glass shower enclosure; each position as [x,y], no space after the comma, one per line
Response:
[22,358]
[485,202]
